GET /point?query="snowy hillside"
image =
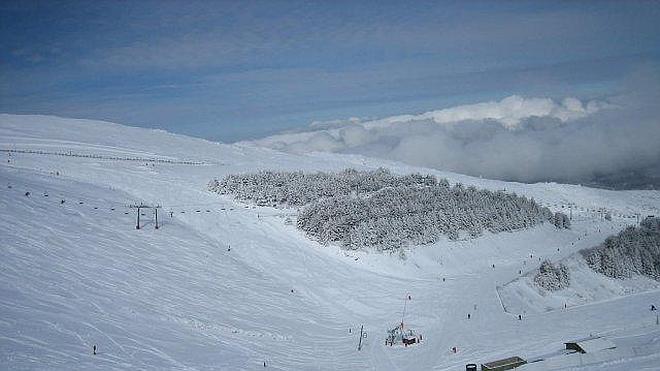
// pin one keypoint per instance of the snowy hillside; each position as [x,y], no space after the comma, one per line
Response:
[222,285]
[625,263]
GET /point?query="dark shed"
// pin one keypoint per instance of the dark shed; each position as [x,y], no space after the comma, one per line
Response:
[503,364]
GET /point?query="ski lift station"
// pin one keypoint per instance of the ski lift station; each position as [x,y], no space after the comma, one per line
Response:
[399,335]
[590,344]
[405,337]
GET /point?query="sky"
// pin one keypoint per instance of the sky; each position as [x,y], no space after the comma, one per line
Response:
[238,70]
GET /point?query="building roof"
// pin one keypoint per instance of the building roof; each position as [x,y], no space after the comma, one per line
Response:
[593,344]
[504,362]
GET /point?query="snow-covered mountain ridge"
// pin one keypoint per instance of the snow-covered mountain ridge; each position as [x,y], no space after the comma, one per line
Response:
[222,286]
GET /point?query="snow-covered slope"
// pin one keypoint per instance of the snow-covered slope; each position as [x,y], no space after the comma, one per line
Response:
[587,286]
[225,286]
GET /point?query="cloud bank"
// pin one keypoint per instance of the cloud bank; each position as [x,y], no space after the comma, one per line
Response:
[517,139]
[509,112]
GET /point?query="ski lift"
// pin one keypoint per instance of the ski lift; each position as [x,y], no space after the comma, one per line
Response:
[399,335]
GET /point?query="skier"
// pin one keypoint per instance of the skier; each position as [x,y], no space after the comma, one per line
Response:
[94,349]
[27,194]
[653,307]
[520,317]
[468,315]
[61,202]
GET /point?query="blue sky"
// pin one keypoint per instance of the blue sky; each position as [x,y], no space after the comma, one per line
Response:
[243,69]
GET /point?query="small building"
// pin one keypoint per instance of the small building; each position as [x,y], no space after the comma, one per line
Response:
[409,339]
[503,364]
[590,344]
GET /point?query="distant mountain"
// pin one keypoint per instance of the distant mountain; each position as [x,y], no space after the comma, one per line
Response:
[642,178]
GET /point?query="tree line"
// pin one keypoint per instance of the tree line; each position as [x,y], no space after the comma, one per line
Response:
[634,250]
[381,210]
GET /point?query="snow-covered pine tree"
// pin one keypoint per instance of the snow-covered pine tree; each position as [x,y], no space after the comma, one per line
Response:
[552,277]
[635,250]
[384,211]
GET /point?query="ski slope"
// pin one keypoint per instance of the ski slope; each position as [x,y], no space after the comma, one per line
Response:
[223,285]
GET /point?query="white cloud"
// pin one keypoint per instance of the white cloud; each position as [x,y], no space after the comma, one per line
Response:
[509,112]
[521,139]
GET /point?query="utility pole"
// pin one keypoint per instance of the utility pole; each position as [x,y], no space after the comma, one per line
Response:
[139,210]
[405,301]
[360,344]
[137,207]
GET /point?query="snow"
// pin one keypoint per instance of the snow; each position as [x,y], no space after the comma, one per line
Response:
[77,274]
